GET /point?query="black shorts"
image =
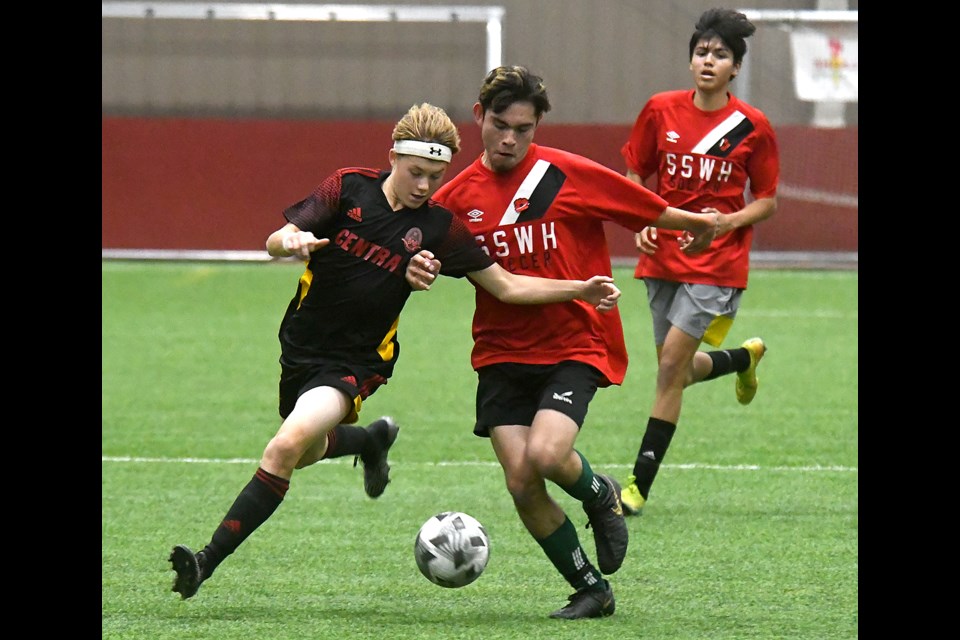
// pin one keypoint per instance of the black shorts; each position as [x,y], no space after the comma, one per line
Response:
[512,393]
[356,381]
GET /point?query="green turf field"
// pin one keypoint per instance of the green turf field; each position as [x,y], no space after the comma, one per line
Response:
[751,530]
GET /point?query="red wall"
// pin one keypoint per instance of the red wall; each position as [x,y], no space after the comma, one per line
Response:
[222,184]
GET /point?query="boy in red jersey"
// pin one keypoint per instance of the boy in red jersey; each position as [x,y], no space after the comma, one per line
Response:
[704,146]
[357,232]
[540,211]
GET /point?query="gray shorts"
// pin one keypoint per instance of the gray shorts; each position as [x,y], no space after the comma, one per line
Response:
[703,311]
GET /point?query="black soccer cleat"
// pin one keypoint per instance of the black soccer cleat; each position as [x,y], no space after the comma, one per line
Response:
[189,572]
[610,532]
[591,602]
[376,471]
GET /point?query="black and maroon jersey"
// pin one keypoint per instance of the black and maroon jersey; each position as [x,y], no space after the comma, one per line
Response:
[348,301]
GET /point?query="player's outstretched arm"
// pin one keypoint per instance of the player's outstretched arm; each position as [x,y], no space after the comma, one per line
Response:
[512,288]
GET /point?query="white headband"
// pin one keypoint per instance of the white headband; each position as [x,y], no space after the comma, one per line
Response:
[431,150]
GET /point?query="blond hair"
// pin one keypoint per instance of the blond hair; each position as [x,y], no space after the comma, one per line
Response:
[428,123]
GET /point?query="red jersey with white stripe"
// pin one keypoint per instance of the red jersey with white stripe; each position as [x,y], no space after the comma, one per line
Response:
[703,159]
[545,218]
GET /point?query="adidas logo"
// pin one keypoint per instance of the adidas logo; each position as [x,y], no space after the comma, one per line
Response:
[354,214]
[564,397]
[232,525]
[649,454]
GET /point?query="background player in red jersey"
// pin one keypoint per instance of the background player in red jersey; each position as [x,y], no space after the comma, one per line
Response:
[540,211]
[339,342]
[704,146]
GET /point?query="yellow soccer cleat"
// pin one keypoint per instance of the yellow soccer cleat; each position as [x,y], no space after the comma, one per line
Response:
[630,498]
[747,381]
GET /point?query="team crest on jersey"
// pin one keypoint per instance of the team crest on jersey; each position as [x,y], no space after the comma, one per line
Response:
[520,205]
[413,240]
[475,215]
[354,214]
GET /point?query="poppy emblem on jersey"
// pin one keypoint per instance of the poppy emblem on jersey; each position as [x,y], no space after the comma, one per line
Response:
[475,215]
[520,205]
[413,240]
[724,144]
[673,136]
[354,214]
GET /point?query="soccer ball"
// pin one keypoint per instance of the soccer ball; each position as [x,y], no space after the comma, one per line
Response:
[452,549]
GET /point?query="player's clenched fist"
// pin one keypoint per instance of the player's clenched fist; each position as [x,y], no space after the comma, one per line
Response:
[601,293]
[422,270]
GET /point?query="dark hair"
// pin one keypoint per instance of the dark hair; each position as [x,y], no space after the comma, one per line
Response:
[730,26]
[505,85]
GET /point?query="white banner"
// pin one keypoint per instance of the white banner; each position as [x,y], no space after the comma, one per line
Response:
[825,63]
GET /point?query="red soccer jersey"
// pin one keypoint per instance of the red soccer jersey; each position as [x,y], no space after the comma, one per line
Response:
[703,159]
[545,218]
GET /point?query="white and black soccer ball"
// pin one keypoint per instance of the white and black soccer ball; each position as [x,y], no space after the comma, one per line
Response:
[452,549]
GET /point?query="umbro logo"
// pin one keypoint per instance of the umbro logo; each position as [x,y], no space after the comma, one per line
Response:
[564,397]
[354,214]
[673,136]
[475,216]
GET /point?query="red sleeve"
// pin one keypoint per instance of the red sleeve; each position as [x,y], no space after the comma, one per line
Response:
[606,194]
[763,166]
[640,149]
